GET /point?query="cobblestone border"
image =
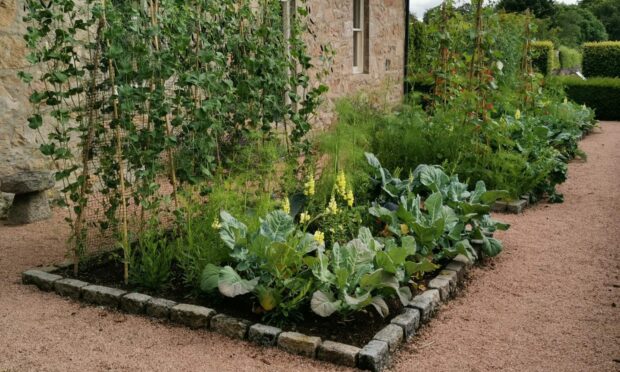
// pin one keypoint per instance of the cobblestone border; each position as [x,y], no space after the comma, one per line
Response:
[511,207]
[374,356]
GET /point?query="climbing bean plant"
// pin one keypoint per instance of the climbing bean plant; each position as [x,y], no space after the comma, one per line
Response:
[146,92]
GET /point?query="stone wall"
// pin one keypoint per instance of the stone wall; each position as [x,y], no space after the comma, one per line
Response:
[18,144]
[332,22]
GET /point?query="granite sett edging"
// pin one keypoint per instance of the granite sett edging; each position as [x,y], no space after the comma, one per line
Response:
[374,356]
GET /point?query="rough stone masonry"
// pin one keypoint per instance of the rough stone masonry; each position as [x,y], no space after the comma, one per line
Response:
[332,23]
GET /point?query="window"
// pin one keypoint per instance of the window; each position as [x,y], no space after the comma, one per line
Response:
[360,36]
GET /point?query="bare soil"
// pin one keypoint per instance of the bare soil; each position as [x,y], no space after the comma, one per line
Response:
[357,329]
[548,303]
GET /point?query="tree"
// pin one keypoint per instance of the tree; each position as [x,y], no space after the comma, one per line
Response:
[576,26]
[540,8]
[608,12]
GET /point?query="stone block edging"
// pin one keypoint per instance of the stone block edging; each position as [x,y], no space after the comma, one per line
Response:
[374,356]
[511,207]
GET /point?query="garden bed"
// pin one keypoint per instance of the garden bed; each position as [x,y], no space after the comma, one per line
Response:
[365,341]
[357,330]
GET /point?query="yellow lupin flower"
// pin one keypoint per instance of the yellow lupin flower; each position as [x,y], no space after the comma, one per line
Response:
[341,183]
[286,205]
[216,224]
[309,187]
[518,114]
[332,207]
[304,218]
[565,100]
[350,198]
[319,236]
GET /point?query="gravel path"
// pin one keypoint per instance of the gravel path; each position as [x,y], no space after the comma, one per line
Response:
[548,303]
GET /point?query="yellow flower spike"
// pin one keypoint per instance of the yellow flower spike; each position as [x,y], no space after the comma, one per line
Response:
[309,187]
[216,224]
[350,198]
[319,236]
[286,205]
[341,183]
[304,218]
[518,114]
[332,207]
[565,100]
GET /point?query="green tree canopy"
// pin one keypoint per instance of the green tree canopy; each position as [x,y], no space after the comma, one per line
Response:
[540,8]
[608,12]
[575,26]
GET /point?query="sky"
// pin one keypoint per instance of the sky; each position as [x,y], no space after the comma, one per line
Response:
[420,6]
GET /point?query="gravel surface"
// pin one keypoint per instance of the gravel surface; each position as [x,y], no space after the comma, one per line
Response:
[548,303]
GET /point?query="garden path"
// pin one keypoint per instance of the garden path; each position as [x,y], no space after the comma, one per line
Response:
[548,303]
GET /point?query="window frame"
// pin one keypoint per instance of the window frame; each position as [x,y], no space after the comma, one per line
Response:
[360,36]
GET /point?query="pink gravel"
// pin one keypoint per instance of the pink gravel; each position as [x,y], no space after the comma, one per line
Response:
[548,303]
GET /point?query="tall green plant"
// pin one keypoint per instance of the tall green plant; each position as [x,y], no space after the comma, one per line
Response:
[141,93]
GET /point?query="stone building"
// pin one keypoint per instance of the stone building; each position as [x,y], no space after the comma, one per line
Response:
[367,36]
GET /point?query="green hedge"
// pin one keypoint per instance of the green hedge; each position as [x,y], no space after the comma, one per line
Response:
[601,59]
[543,57]
[570,59]
[600,94]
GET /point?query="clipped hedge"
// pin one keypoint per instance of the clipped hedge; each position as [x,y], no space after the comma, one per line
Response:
[600,94]
[570,59]
[543,57]
[601,59]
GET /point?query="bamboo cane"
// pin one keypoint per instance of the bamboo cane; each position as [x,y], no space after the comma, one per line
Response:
[121,166]
[86,147]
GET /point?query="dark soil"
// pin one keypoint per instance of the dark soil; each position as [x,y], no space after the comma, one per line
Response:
[356,330]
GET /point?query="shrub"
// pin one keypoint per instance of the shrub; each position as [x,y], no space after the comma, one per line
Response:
[570,59]
[601,94]
[543,58]
[602,59]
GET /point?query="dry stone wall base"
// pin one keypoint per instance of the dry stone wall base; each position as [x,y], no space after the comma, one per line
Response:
[300,344]
[374,356]
[337,353]
[264,335]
